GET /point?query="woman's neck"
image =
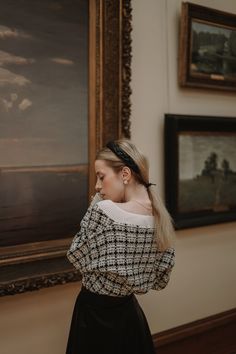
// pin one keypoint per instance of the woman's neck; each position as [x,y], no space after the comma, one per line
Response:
[136,192]
[136,200]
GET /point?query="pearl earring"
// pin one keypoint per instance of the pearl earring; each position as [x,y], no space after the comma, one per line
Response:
[125,182]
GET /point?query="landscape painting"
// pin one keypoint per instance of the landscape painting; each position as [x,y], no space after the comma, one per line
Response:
[43,119]
[207,172]
[213,51]
[64,93]
[207,48]
[200,169]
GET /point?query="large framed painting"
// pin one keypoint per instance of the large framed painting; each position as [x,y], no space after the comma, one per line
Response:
[207,48]
[200,169]
[64,92]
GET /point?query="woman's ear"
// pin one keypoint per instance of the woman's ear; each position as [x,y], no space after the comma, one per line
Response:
[126,174]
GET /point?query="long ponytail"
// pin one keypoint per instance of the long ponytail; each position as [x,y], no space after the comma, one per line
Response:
[163,224]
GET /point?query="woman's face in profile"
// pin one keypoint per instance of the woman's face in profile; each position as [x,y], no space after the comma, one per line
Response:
[109,184]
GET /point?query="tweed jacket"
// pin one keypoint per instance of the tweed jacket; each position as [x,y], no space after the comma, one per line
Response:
[116,252]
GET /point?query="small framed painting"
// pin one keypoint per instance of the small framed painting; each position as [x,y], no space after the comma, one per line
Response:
[207,48]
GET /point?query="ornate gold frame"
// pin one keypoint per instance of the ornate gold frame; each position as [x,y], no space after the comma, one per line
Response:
[43,264]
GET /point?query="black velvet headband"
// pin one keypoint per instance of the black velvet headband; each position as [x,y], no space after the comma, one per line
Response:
[119,152]
[123,156]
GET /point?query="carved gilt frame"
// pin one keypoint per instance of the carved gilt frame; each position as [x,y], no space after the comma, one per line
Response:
[38,265]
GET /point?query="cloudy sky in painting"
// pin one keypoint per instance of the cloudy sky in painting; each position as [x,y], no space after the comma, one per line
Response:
[195,149]
[43,82]
[203,27]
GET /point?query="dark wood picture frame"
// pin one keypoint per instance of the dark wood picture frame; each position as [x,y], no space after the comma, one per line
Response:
[26,267]
[200,169]
[207,48]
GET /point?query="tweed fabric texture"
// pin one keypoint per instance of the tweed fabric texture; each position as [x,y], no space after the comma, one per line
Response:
[117,258]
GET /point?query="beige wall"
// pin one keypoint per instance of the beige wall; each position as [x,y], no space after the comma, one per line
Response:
[202,282]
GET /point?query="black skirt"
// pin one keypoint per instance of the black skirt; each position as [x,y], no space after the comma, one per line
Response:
[104,324]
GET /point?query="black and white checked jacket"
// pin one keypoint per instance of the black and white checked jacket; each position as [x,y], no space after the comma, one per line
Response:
[116,252]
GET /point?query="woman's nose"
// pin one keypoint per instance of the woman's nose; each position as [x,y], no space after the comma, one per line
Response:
[98,186]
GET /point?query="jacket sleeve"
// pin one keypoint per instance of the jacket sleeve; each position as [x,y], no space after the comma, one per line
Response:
[79,253]
[165,262]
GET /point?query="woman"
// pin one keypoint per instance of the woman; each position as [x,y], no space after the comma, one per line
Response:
[124,247]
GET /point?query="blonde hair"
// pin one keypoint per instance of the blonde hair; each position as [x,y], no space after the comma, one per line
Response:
[164,230]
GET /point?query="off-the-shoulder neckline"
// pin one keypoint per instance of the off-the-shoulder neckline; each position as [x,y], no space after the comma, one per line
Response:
[122,216]
[125,211]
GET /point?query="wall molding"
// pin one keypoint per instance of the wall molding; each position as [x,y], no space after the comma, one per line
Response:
[211,335]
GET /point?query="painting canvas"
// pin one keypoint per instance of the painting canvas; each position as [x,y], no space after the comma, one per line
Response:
[213,51]
[200,169]
[43,119]
[207,172]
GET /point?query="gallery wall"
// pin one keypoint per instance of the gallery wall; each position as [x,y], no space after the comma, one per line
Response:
[202,281]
